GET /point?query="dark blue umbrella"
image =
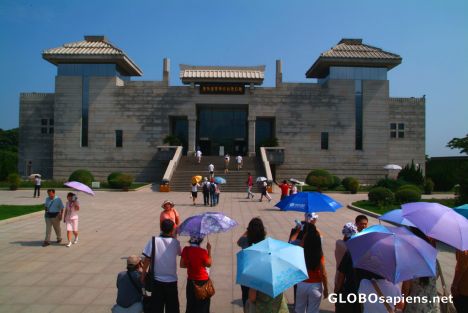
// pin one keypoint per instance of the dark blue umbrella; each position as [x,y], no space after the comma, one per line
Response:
[206,223]
[309,202]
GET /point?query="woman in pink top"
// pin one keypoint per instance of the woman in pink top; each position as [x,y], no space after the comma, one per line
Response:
[169,213]
[70,217]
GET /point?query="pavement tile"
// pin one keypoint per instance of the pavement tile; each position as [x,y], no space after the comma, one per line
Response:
[68,308]
[13,308]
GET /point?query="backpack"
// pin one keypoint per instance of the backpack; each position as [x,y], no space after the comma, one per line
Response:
[206,188]
[212,188]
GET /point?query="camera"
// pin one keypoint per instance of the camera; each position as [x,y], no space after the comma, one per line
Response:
[74,198]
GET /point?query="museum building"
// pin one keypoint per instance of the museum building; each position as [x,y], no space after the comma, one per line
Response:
[343,121]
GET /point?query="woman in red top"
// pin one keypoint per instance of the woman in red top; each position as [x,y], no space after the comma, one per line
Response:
[284,189]
[310,291]
[196,259]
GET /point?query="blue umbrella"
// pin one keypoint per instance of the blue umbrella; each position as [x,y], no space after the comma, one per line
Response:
[462,209]
[392,252]
[271,266]
[309,202]
[206,223]
[220,180]
[396,216]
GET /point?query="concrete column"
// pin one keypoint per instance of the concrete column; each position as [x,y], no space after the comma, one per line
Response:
[279,73]
[192,131]
[166,70]
[251,120]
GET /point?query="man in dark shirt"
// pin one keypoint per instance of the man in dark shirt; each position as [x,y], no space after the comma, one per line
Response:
[129,288]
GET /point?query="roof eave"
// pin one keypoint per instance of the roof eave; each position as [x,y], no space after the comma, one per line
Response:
[321,66]
[189,80]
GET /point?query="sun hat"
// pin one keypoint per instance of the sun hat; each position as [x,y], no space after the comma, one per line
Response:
[133,260]
[349,229]
[167,201]
[310,216]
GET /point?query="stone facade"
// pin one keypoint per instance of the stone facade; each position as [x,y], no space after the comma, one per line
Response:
[142,110]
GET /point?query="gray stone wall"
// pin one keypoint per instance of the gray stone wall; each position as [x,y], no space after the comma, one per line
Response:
[34,146]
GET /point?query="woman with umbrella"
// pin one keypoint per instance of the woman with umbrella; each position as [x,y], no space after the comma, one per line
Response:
[71,217]
[196,259]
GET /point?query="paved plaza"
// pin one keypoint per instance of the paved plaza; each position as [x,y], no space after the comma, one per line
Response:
[114,225]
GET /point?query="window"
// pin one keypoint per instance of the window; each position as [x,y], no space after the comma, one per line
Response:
[44,122]
[47,126]
[397,130]
[324,140]
[119,138]
[358,114]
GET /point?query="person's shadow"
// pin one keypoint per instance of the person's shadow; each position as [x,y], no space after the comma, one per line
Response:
[34,243]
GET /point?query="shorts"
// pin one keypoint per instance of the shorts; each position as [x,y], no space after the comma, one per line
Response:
[194,194]
[72,225]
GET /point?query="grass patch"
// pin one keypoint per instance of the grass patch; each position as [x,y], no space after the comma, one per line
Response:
[367,205]
[52,184]
[9,211]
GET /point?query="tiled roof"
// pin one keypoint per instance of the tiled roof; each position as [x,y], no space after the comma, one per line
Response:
[200,74]
[94,49]
[352,52]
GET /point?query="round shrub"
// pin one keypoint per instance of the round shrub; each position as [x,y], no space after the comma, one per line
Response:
[410,187]
[428,186]
[407,195]
[392,184]
[82,176]
[111,179]
[354,186]
[320,179]
[14,181]
[381,196]
[336,182]
[123,181]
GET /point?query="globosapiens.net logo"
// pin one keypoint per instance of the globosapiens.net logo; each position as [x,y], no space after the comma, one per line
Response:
[375,298]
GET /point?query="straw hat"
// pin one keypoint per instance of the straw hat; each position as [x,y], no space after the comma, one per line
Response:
[167,201]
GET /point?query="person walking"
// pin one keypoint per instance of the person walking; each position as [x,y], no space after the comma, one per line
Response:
[310,291]
[71,217]
[53,206]
[249,186]
[239,162]
[169,212]
[37,186]
[284,189]
[217,192]
[265,192]
[196,259]
[349,229]
[212,192]
[198,155]
[129,288]
[293,188]
[254,234]
[227,158]
[266,304]
[195,186]
[206,191]
[164,295]
[211,169]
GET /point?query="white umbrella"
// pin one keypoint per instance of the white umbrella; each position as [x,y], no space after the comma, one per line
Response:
[392,167]
[293,180]
[34,176]
[261,179]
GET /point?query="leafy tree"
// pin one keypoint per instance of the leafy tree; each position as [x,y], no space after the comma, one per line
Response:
[172,140]
[459,143]
[9,140]
[411,174]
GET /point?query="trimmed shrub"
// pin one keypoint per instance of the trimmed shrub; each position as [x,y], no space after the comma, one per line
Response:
[83,176]
[428,186]
[320,179]
[349,183]
[410,187]
[354,186]
[111,179]
[381,196]
[411,174]
[172,140]
[392,184]
[407,195]
[123,181]
[14,181]
[336,182]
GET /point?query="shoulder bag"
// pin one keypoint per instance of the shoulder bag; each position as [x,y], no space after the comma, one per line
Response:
[150,274]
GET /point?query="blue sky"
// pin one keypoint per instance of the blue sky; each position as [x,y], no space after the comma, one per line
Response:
[431,36]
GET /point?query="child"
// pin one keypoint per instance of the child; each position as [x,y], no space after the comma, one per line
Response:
[70,217]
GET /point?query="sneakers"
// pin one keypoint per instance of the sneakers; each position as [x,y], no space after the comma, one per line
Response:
[75,241]
[69,244]
[45,244]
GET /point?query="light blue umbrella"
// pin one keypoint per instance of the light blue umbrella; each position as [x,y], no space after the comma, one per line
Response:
[271,266]
[462,209]
[396,216]
[309,202]
[220,180]
[392,252]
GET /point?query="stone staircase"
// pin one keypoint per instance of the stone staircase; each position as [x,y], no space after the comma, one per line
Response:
[236,180]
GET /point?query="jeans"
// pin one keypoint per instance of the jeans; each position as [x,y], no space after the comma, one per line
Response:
[37,188]
[213,198]
[206,198]
[164,296]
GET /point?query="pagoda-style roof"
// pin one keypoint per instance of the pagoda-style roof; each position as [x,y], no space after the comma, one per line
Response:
[92,50]
[352,53]
[222,74]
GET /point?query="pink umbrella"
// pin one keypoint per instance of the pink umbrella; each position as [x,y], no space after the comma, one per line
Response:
[79,187]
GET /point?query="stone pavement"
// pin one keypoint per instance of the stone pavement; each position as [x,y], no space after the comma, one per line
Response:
[114,225]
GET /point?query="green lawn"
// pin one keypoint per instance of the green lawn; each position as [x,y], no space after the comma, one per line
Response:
[8,211]
[366,205]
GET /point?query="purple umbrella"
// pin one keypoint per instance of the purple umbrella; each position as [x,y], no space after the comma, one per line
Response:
[395,216]
[206,223]
[392,252]
[79,187]
[439,222]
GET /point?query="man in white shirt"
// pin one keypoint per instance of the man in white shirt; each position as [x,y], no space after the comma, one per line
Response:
[198,154]
[386,288]
[164,296]
[211,170]
[37,186]
[239,162]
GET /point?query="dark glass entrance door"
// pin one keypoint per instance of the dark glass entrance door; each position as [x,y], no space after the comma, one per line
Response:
[222,130]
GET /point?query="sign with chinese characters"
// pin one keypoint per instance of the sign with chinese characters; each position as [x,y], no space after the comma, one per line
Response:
[222,89]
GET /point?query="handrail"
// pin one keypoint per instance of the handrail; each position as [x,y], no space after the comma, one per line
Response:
[266,164]
[171,167]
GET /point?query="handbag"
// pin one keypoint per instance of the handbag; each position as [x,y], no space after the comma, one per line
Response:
[150,274]
[444,307]
[204,291]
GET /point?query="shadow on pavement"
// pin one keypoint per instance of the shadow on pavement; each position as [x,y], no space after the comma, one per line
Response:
[28,243]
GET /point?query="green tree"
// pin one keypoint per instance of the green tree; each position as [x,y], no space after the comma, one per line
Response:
[459,143]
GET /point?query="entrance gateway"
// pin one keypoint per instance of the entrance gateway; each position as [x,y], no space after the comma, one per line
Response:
[222,96]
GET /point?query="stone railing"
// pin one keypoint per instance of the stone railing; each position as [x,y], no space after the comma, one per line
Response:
[266,164]
[172,166]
